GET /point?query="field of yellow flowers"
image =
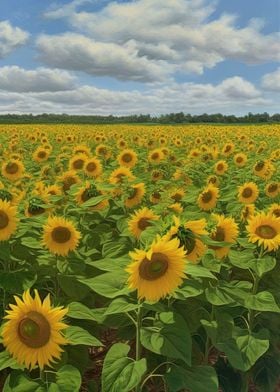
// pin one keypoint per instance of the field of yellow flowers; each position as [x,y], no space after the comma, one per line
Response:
[139,258]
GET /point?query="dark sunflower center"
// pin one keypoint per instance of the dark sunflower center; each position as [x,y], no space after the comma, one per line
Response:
[127,157]
[247,192]
[155,268]
[143,223]
[218,236]
[34,330]
[220,167]
[276,212]
[156,195]
[12,168]
[61,234]
[206,196]
[228,148]
[78,164]
[68,182]
[4,220]
[266,232]
[89,193]
[35,210]
[91,167]
[187,239]
[176,197]
[213,180]
[102,151]
[155,155]
[272,187]
[259,166]
[239,159]
[42,154]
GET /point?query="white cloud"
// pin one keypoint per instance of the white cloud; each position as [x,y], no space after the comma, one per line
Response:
[271,81]
[16,79]
[232,95]
[10,38]
[77,52]
[177,35]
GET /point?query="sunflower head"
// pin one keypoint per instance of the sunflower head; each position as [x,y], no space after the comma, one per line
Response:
[8,220]
[248,193]
[32,332]
[207,199]
[264,229]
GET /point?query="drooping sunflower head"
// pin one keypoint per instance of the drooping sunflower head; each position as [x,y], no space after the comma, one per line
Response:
[264,229]
[127,158]
[247,212]
[248,193]
[93,167]
[60,236]
[8,220]
[68,179]
[226,230]
[214,180]
[140,220]
[157,272]
[208,198]
[13,169]
[32,332]
[272,189]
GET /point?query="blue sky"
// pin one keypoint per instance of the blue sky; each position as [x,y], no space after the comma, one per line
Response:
[141,56]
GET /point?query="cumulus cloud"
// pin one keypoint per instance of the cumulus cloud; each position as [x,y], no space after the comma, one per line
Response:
[16,79]
[10,38]
[231,94]
[77,52]
[271,81]
[179,33]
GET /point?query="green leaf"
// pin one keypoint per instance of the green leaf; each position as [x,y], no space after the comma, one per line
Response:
[225,294]
[7,361]
[93,201]
[195,379]
[198,271]
[77,335]
[17,381]
[265,264]
[17,281]
[109,285]
[110,265]
[210,262]
[115,249]
[120,305]
[263,301]
[79,311]
[31,242]
[190,288]
[172,337]
[121,373]
[242,259]
[68,379]
[72,287]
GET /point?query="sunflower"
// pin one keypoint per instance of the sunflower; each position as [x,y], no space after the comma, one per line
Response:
[68,179]
[274,209]
[103,151]
[136,195]
[120,174]
[40,154]
[265,230]
[213,180]
[207,199]
[226,230]
[127,158]
[8,220]
[221,167]
[247,212]
[140,220]
[35,206]
[157,272]
[228,149]
[188,234]
[176,207]
[177,195]
[240,159]
[248,193]
[13,170]
[77,162]
[32,334]
[272,189]
[93,167]
[156,175]
[82,149]
[52,190]
[60,236]
[156,156]
[260,169]
[155,197]
[87,192]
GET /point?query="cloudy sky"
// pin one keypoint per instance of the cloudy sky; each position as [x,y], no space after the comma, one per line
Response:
[141,56]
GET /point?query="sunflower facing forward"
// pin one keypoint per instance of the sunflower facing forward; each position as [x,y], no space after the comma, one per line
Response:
[265,230]
[32,334]
[248,193]
[159,271]
[207,200]
[13,169]
[140,220]
[60,236]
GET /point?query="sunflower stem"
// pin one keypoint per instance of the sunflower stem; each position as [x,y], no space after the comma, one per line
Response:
[138,347]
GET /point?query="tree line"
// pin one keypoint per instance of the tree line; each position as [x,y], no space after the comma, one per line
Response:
[171,118]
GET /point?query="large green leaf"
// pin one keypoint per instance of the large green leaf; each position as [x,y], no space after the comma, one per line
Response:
[79,311]
[170,336]
[68,379]
[77,335]
[198,271]
[121,373]
[110,284]
[7,361]
[17,381]
[195,379]
[262,301]
[121,305]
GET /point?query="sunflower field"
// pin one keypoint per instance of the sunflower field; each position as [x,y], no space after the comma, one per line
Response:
[140,258]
